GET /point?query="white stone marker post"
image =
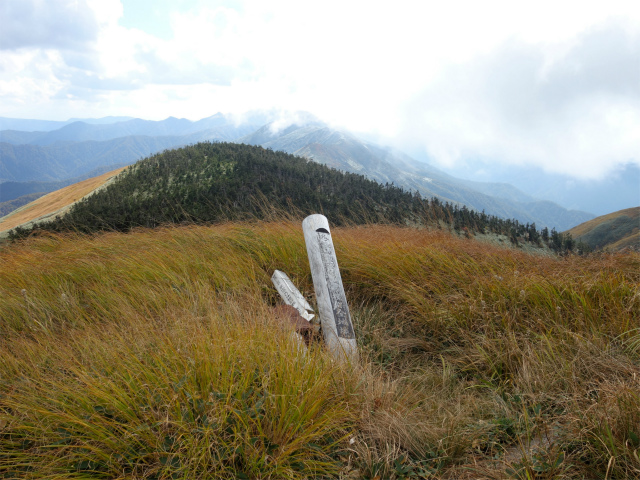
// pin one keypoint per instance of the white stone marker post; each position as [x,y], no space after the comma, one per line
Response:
[291,295]
[335,319]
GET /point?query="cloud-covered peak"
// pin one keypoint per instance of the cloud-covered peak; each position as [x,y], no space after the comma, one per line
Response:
[576,112]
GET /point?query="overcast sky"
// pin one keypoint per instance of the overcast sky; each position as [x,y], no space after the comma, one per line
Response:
[553,84]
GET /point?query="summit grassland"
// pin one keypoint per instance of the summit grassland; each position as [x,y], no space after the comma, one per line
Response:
[155,354]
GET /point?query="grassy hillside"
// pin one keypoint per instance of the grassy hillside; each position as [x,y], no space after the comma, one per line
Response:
[614,231]
[11,205]
[14,190]
[55,203]
[156,354]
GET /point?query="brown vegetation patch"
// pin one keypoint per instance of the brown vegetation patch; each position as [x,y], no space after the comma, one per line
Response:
[55,201]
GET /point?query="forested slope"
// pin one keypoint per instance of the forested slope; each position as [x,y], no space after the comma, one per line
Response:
[213,182]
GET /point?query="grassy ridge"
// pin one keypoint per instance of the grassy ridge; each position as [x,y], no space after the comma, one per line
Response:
[55,203]
[156,355]
[11,205]
[613,232]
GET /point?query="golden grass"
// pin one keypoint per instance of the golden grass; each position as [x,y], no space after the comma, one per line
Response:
[632,213]
[155,355]
[54,201]
[632,240]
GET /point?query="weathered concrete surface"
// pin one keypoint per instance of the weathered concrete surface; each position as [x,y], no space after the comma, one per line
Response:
[291,295]
[333,309]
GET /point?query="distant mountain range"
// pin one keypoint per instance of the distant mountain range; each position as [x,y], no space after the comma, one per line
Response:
[617,191]
[344,151]
[28,125]
[63,150]
[216,126]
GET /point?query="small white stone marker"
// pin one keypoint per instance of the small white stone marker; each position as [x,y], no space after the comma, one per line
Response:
[332,303]
[291,295]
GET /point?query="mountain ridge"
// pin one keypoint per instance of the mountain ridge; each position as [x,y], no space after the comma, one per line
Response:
[344,151]
[614,231]
[59,154]
[34,125]
[218,182]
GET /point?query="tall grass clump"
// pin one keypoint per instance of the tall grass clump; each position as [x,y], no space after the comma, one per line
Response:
[156,354]
[221,395]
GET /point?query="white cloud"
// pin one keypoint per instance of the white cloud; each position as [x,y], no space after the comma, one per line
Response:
[578,114]
[66,24]
[548,83]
